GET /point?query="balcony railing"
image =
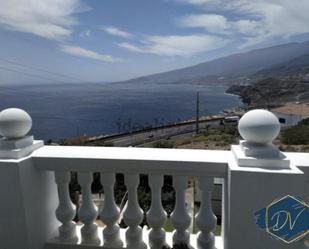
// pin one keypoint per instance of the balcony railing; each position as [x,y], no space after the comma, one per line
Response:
[36,210]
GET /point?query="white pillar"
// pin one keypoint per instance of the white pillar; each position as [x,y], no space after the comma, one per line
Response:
[258,175]
[251,190]
[156,216]
[110,213]
[180,217]
[206,221]
[133,214]
[87,212]
[28,196]
[66,210]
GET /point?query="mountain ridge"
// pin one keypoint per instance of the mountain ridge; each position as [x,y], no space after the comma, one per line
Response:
[279,84]
[230,69]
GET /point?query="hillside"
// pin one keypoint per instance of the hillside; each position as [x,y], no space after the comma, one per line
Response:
[273,91]
[296,67]
[278,84]
[230,69]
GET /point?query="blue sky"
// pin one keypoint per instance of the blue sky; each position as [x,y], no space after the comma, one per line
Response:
[112,40]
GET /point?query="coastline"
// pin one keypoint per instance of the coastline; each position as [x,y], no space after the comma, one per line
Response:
[237,111]
[233,94]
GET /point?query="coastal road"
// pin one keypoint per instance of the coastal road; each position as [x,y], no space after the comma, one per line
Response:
[139,138]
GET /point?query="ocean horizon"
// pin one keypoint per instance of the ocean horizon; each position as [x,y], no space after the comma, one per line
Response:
[72,110]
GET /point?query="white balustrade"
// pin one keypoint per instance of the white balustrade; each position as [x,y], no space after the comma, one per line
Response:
[87,212]
[156,216]
[110,213]
[180,217]
[30,222]
[206,220]
[133,214]
[66,210]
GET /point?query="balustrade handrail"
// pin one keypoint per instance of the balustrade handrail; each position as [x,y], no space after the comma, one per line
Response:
[133,160]
[144,160]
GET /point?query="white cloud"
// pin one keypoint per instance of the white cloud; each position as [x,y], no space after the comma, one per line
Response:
[117,32]
[85,34]
[133,48]
[212,22]
[278,18]
[246,27]
[85,53]
[196,2]
[219,24]
[175,45]
[257,21]
[51,19]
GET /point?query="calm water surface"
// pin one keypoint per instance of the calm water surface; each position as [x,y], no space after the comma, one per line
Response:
[63,111]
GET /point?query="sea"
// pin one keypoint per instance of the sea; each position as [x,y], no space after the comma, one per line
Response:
[73,110]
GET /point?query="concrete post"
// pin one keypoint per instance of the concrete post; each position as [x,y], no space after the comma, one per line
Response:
[258,174]
[28,196]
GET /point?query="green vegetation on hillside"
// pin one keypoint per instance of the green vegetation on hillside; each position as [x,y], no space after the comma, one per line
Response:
[221,137]
[213,137]
[296,135]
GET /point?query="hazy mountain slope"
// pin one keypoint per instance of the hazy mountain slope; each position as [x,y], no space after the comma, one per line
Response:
[298,66]
[231,67]
[278,84]
[272,91]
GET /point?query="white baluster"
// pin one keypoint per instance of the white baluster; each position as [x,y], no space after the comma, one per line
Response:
[110,213]
[133,214]
[206,220]
[156,216]
[65,211]
[180,217]
[87,212]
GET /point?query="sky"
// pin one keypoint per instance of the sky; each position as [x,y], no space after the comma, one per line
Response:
[59,41]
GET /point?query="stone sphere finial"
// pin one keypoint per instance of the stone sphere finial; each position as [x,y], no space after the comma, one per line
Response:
[259,126]
[14,123]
